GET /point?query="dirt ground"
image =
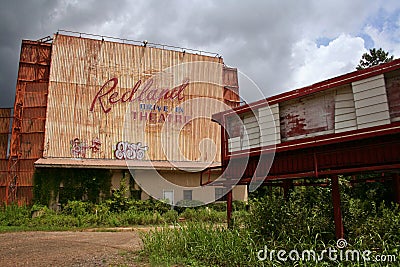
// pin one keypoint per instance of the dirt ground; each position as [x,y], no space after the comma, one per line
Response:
[87,248]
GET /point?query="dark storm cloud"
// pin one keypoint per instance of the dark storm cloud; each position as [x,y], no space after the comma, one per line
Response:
[36,19]
[258,37]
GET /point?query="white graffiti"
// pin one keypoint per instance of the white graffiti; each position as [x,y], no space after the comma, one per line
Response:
[126,150]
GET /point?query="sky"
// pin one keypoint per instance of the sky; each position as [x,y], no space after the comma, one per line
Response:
[280,45]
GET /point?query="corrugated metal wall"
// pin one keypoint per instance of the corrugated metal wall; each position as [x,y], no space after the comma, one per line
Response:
[5,135]
[26,144]
[80,67]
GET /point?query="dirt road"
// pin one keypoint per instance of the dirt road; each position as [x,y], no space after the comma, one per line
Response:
[69,248]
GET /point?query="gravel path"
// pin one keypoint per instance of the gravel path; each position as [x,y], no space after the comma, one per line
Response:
[87,248]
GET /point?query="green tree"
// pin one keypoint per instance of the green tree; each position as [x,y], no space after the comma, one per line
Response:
[373,58]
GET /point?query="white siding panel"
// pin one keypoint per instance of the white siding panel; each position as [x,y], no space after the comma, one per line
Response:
[372,124]
[369,93]
[269,125]
[372,82]
[345,111]
[372,109]
[346,117]
[234,144]
[377,99]
[372,117]
[344,104]
[371,103]
[345,126]
[251,134]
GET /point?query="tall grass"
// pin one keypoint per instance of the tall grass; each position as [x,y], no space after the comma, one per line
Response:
[304,222]
[78,214]
[199,244]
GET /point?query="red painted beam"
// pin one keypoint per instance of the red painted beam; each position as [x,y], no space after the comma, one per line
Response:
[396,184]
[229,207]
[317,141]
[339,230]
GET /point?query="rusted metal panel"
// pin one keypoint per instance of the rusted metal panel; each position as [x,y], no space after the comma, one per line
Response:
[33,125]
[32,145]
[393,94]
[5,131]
[27,165]
[231,86]
[94,83]
[25,194]
[25,178]
[35,52]
[307,116]
[28,118]
[2,192]
[35,99]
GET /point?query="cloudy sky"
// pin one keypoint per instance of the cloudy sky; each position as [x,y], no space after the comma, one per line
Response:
[280,45]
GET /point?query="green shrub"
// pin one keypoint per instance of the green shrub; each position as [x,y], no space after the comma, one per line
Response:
[78,208]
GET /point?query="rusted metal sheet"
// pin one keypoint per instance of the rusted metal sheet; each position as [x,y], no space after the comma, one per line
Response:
[307,116]
[231,86]
[32,145]
[25,178]
[94,83]
[25,194]
[393,94]
[28,120]
[5,131]
[33,125]
[35,99]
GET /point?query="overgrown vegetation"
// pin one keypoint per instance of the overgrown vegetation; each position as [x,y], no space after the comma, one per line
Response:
[63,185]
[80,214]
[304,222]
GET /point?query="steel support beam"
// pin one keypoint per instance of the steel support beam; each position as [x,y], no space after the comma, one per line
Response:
[229,207]
[339,230]
[396,187]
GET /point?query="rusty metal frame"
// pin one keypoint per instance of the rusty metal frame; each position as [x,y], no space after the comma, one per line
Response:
[40,73]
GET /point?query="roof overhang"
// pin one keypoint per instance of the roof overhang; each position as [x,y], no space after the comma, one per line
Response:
[115,164]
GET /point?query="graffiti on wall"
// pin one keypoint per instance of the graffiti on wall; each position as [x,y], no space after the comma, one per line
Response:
[126,150]
[79,147]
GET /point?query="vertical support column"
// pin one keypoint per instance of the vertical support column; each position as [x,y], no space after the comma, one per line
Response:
[229,207]
[396,187]
[339,230]
[287,185]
